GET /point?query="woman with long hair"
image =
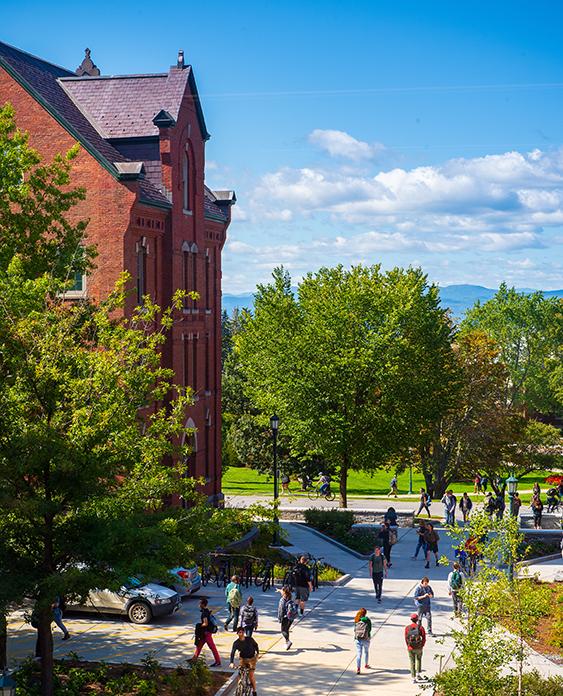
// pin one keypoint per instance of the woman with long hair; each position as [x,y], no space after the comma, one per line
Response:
[362,636]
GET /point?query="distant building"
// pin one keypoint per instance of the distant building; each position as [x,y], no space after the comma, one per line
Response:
[142,162]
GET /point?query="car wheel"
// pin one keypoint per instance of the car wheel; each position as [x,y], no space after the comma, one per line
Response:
[139,613]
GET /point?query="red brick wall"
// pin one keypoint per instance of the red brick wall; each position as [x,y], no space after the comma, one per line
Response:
[118,222]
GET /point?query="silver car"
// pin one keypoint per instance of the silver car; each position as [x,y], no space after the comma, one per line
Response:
[139,602]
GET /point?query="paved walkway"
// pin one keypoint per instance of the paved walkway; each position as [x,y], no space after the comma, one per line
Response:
[548,571]
[322,658]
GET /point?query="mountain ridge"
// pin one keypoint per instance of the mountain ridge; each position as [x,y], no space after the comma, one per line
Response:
[457,297]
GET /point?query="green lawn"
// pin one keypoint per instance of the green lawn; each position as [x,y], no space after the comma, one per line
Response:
[241,481]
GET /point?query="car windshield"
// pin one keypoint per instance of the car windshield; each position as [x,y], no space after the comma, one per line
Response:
[132,583]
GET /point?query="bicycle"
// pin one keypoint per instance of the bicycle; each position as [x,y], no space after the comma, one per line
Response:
[244,686]
[316,493]
[265,576]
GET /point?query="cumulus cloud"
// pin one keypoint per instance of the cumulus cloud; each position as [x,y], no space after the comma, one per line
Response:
[500,202]
[341,144]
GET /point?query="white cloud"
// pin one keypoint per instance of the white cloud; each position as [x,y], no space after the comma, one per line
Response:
[340,144]
[497,202]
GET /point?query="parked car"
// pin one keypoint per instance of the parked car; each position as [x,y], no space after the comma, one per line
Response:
[139,602]
[186,580]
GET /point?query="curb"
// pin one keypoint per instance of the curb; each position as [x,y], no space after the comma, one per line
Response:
[541,559]
[228,685]
[342,547]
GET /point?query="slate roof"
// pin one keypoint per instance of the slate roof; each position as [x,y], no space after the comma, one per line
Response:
[95,110]
[124,107]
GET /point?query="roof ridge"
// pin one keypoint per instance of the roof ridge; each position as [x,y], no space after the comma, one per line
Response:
[92,78]
[41,60]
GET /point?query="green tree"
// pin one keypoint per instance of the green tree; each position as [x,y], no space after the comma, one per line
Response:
[352,364]
[528,329]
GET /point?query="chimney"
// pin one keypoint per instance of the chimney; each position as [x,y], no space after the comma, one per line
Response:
[180,64]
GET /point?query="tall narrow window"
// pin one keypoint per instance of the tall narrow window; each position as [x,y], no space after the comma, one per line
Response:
[207,263]
[186,182]
[194,273]
[207,385]
[141,269]
[194,363]
[187,361]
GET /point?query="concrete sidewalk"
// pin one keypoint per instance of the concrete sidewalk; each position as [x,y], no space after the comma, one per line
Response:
[322,658]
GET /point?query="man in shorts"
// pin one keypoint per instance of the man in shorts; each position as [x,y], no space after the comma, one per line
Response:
[248,651]
[303,584]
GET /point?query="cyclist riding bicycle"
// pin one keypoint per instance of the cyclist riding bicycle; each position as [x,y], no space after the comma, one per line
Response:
[324,482]
[248,650]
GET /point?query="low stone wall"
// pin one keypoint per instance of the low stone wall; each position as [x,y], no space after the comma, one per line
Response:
[550,520]
[405,518]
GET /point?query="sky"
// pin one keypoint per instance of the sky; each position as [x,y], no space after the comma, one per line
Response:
[392,132]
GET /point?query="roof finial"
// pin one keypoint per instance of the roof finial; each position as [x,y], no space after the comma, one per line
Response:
[87,66]
[180,63]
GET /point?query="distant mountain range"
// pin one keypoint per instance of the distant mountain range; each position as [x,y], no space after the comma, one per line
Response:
[459,298]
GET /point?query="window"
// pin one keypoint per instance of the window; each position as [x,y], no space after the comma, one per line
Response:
[189,271]
[141,269]
[78,288]
[207,263]
[186,183]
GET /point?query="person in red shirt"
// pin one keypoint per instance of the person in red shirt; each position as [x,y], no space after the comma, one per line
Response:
[415,638]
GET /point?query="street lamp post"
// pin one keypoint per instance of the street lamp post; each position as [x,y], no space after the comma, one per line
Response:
[512,484]
[275,424]
[410,478]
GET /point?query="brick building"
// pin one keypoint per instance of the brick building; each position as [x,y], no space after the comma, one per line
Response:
[142,160]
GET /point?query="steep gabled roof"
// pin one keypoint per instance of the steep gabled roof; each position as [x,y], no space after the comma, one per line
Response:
[41,80]
[124,106]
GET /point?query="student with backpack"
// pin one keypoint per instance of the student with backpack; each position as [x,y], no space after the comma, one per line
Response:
[431,538]
[421,543]
[287,613]
[233,595]
[415,638]
[455,583]
[423,595]
[303,583]
[424,503]
[249,618]
[465,505]
[362,636]
[204,631]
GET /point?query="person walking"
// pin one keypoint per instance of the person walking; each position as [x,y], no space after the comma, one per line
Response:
[449,502]
[465,505]
[383,539]
[516,505]
[249,617]
[58,617]
[287,613]
[303,583]
[477,484]
[415,638]
[489,504]
[362,637]
[421,543]
[424,502]
[233,596]
[431,538]
[484,482]
[423,595]
[500,505]
[536,490]
[285,483]
[377,569]
[248,651]
[552,500]
[537,511]
[455,584]
[393,484]
[204,631]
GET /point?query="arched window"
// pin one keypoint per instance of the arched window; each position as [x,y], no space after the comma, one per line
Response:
[186,183]
[141,269]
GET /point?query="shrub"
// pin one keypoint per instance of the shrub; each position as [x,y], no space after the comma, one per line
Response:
[198,677]
[330,522]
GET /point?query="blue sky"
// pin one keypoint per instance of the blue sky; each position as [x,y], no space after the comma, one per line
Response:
[395,132]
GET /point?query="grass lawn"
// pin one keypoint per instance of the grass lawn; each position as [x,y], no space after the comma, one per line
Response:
[242,481]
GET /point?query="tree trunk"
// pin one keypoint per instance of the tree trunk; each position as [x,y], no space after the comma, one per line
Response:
[344,482]
[3,639]
[46,648]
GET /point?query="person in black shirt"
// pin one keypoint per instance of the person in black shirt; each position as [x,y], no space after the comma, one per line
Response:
[303,584]
[383,539]
[248,650]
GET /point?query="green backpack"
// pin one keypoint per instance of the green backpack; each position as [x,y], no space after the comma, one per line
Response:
[234,598]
